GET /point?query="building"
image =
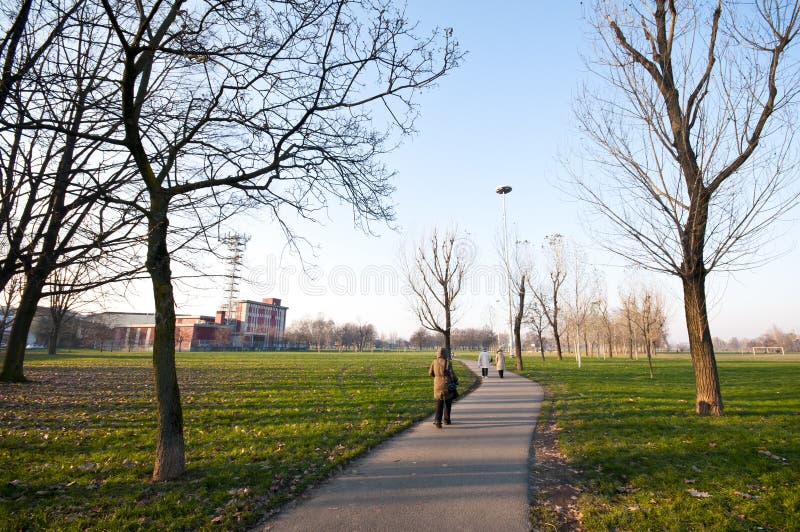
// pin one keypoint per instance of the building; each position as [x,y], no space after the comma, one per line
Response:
[258,325]
[252,325]
[202,333]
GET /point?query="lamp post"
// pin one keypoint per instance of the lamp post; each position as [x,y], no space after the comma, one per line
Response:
[503,190]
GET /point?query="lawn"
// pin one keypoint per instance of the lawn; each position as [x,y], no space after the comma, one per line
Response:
[77,443]
[647,462]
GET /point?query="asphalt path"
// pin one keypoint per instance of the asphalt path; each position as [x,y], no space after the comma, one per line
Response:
[471,475]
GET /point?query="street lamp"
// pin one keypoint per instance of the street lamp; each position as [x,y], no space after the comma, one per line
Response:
[503,190]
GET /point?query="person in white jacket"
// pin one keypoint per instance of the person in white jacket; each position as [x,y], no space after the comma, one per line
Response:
[484,361]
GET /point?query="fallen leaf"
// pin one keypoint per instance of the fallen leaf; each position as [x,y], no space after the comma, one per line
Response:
[746,495]
[627,488]
[773,456]
[689,481]
[699,494]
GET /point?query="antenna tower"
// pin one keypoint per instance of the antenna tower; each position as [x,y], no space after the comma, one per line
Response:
[236,243]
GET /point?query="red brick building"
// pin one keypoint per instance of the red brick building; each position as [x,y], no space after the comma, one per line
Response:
[258,325]
[252,325]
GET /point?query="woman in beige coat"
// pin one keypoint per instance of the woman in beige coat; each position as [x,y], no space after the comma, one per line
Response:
[500,359]
[442,372]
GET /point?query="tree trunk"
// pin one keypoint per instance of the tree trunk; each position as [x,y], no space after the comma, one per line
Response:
[708,398]
[518,324]
[37,277]
[18,336]
[170,448]
[55,329]
[649,350]
[557,339]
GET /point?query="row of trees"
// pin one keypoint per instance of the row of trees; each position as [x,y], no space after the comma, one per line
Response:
[690,133]
[130,130]
[774,337]
[560,294]
[321,333]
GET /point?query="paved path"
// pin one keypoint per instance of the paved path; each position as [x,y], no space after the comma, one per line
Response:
[471,475]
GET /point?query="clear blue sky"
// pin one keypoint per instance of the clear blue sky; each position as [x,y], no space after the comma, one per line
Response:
[501,118]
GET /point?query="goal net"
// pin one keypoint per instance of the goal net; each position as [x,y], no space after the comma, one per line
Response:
[767,349]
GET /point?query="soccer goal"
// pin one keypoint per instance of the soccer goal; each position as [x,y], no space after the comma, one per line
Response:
[768,349]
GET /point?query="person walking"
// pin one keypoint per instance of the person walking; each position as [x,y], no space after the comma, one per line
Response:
[500,360]
[443,374]
[484,361]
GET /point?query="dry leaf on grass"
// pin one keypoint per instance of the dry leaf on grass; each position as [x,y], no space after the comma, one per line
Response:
[773,456]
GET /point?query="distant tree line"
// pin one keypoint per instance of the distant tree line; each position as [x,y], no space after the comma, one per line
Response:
[321,334]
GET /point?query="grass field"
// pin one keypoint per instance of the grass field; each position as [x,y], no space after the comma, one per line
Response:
[647,462]
[77,444]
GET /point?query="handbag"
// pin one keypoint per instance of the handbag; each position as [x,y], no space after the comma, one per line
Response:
[452,384]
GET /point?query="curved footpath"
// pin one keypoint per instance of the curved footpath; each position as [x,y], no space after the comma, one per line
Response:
[471,475]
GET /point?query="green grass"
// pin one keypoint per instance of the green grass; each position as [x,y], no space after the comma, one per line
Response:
[77,443]
[640,448]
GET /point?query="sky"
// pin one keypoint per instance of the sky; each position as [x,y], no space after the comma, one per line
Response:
[502,118]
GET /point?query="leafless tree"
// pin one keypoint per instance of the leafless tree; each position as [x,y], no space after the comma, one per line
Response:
[321,331]
[365,336]
[471,338]
[347,336]
[584,292]
[10,296]
[650,317]
[549,292]
[628,315]
[536,319]
[66,288]
[607,323]
[422,339]
[520,271]
[693,152]
[60,187]
[435,275]
[229,105]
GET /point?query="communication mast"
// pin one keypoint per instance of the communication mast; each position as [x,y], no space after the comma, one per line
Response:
[236,243]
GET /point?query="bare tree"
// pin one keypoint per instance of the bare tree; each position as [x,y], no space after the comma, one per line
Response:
[606,320]
[230,105]
[585,289]
[435,275]
[10,295]
[519,270]
[365,336]
[649,317]
[536,318]
[422,339]
[321,331]
[66,288]
[62,187]
[547,293]
[628,314]
[696,158]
